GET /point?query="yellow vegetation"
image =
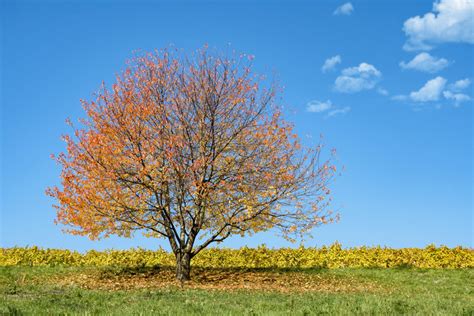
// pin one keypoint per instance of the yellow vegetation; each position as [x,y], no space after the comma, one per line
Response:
[262,257]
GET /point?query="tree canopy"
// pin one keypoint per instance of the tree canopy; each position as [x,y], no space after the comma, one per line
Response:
[193,149]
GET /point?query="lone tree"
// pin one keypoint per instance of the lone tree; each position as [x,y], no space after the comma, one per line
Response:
[192,149]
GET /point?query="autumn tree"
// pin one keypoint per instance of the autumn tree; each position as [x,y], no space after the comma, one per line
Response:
[192,149]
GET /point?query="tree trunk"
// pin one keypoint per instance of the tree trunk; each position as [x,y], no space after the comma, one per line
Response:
[183,266]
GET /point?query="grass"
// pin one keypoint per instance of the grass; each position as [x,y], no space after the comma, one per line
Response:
[152,291]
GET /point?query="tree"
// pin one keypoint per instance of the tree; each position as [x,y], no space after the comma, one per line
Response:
[193,150]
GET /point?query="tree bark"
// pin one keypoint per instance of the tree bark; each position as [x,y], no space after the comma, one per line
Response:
[183,266]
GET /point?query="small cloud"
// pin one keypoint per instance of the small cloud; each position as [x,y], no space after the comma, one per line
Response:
[426,63]
[459,85]
[431,91]
[345,9]
[458,98]
[454,92]
[316,106]
[399,97]
[382,91]
[340,111]
[434,89]
[331,63]
[451,21]
[355,79]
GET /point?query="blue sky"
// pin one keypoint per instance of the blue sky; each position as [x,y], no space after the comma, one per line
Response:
[394,98]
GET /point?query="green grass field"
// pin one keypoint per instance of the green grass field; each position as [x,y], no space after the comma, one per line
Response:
[91,290]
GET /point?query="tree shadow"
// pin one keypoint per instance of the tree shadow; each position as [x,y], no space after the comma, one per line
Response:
[202,273]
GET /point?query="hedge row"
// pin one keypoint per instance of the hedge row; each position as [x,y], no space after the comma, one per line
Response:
[262,257]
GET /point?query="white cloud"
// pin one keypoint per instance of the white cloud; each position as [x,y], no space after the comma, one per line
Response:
[458,98]
[340,111]
[399,97]
[354,79]
[434,89]
[382,91]
[450,21]
[459,85]
[431,91]
[316,106]
[454,91]
[345,9]
[330,63]
[425,62]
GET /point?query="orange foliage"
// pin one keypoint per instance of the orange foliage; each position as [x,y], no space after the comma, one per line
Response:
[185,147]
